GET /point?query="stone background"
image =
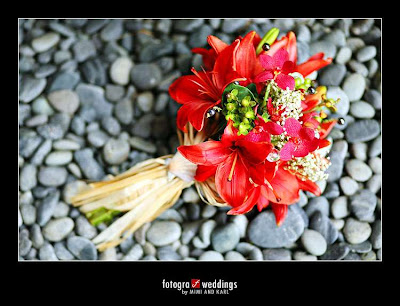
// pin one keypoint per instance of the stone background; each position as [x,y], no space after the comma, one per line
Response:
[94,100]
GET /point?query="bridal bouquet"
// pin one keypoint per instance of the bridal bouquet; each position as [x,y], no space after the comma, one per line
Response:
[251,126]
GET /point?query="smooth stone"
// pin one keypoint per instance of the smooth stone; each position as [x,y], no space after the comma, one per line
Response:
[97,138]
[28,214]
[145,101]
[375,147]
[51,130]
[363,247]
[359,150]
[363,205]
[154,50]
[83,50]
[303,256]
[348,185]
[116,151]
[27,178]
[47,206]
[135,253]
[93,104]
[89,166]
[376,236]
[168,253]
[120,70]
[336,92]
[204,239]
[29,141]
[323,46]
[354,86]
[314,242]
[142,145]
[362,130]
[369,256]
[82,248]
[358,170]
[362,110]
[62,252]
[58,229]
[111,126]
[114,93]
[109,254]
[84,228]
[30,88]
[366,53]
[163,232]
[263,231]
[52,176]
[211,256]
[356,231]
[58,158]
[46,252]
[276,254]
[112,31]
[36,236]
[339,208]
[66,145]
[332,191]
[374,183]
[343,56]
[124,111]
[146,76]
[358,68]
[64,100]
[234,256]
[64,80]
[41,106]
[61,210]
[190,195]
[189,230]
[317,204]
[322,224]
[240,221]
[373,97]
[45,42]
[352,256]
[375,163]
[36,120]
[332,75]
[225,238]
[336,251]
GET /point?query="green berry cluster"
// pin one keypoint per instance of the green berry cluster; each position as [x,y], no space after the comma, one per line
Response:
[240,111]
[303,84]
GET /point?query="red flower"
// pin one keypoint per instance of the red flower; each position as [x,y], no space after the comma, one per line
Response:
[209,56]
[302,140]
[289,43]
[277,67]
[230,157]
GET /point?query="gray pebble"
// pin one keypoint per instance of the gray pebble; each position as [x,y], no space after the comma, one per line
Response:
[27,179]
[58,158]
[363,247]
[211,256]
[116,151]
[142,145]
[30,88]
[363,205]
[225,238]
[356,231]
[89,166]
[146,76]
[362,130]
[64,100]
[145,101]
[366,53]
[64,80]
[135,253]
[303,256]
[83,50]
[336,251]
[36,236]
[376,236]
[84,228]
[362,110]
[332,75]
[46,252]
[374,98]
[358,170]
[62,252]
[57,229]
[323,46]
[168,253]
[120,70]
[112,31]
[281,236]
[322,224]
[374,183]
[52,176]
[314,242]
[82,248]
[317,204]
[375,147]
[163,232]
[354,86]
[45,42]
[276,254]
[339,208]
[336,92]
[343,55]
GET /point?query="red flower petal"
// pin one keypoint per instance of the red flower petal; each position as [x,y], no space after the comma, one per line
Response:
[254,152]
[280,57]
[288,67]
[292,47]
[273,128]
[270,170]
[277,45]
[309,186]
[248,205]
[312,65]
[206,153]
[208,56]
[245,56]
[225,65]
[232,191]
[292,127]
[264,76]
[262,201]
[307,133]
[285,81]
[285,186]
[267,62]
[280,212]
[257,173]
[195,113]
[204,172]
[286,153]
[217,44]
